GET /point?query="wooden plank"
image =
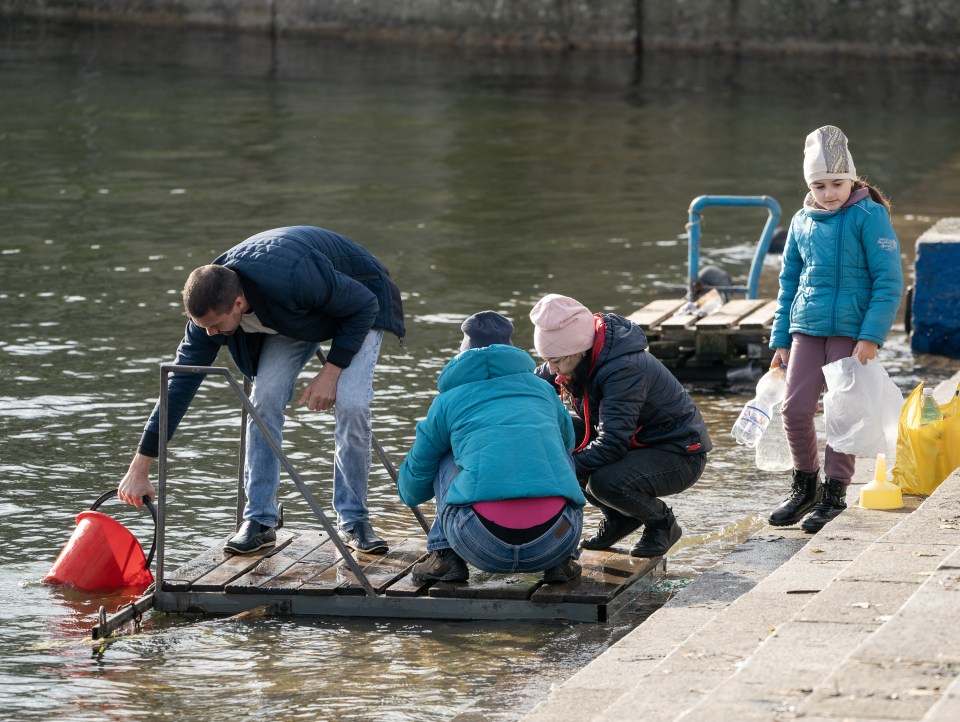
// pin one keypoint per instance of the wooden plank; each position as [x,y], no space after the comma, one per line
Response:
[605,574]
[406,587]
[310,565]
[679,322]
[385,569]
[276,564]
[181,579]
[484,585]
[650,316]
[236,565]
[338,579]
[729,314]
[761,318]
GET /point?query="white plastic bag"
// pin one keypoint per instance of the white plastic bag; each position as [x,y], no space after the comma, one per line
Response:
[861,409]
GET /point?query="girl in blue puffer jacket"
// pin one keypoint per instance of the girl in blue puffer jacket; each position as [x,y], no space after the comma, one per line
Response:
[840,286]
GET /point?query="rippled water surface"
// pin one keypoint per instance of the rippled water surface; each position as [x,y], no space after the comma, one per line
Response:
[128,158]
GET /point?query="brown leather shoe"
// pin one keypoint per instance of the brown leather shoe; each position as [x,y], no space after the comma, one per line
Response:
[443,565]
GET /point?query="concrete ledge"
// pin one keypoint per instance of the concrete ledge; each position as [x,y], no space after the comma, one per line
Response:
[812,630]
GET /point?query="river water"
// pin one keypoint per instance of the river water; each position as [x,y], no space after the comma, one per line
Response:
[483,181]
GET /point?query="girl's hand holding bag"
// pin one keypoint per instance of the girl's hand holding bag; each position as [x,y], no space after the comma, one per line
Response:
[861,408]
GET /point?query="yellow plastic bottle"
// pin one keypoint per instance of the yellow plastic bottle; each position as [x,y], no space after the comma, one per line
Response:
[880,493]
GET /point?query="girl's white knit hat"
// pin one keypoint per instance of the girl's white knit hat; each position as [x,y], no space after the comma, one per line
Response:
[826,156]
[562,326]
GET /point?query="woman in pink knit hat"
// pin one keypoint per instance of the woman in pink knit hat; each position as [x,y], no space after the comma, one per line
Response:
[639,434]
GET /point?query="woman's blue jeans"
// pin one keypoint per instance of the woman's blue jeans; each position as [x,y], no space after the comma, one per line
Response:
[281,361]
[459,528]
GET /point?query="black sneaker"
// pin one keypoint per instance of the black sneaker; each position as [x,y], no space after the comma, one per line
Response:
[658,537]
[443,565]
[251,535]
[567,571]
[612,529]
[363,539]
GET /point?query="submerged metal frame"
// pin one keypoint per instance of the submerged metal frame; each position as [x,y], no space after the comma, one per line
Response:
[165,371]
[756,265]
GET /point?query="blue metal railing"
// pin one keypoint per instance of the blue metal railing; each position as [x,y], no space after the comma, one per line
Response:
[693,253]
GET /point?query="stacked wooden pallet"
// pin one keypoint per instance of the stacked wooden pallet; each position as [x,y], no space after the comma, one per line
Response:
[707,348]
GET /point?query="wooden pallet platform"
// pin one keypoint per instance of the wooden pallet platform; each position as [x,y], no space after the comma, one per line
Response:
[705,349]
[304,575]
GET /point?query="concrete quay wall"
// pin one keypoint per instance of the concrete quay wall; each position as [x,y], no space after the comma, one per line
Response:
[925,28]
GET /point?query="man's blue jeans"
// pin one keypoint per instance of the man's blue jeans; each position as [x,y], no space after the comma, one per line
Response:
[458,527]
[281,361]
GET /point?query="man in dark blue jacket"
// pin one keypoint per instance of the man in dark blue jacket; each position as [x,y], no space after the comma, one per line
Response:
[271,301]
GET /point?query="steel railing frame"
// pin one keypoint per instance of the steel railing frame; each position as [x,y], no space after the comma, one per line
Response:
[248,407]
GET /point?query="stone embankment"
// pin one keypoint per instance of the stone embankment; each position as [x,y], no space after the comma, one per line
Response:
[858,622]
[880,28]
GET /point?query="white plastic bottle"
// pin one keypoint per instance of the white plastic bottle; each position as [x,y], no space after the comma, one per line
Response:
[929,409]
[773,451]
[756,414]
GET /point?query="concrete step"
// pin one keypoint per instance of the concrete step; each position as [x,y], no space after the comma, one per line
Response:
[708,661]
[615,673]
[799,661]
[903,669]
[699,640]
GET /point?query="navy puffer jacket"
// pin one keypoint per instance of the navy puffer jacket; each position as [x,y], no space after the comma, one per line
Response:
[303,282]
[634,401]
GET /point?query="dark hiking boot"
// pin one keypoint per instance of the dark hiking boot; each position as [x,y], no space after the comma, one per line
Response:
[251,535]
[612,529]
[658,537]
[564,572]
[832,502]
[443,565]
[363,539]
[805,492]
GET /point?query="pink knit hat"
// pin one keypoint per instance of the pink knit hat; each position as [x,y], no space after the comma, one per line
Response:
[562,326]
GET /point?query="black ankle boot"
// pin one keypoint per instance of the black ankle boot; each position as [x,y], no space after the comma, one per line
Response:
[658,537]
[613,527]
[804,493]
[832,502]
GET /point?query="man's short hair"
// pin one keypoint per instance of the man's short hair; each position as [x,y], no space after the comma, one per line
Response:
[210,288]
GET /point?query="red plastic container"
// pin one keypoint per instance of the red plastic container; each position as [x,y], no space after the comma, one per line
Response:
[101,554]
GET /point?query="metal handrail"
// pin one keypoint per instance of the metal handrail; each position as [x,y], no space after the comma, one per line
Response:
[693,252]
[165,371]
[387,464]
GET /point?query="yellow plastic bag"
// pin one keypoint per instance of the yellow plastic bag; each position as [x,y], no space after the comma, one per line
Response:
[926,455]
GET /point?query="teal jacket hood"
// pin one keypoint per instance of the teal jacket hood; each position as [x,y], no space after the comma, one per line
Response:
[507,429]
[482,364]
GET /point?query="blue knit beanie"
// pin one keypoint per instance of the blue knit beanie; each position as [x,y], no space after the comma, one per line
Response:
[484,329]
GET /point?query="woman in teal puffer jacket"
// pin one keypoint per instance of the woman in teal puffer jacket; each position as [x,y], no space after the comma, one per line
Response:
[494,450]
[840,286]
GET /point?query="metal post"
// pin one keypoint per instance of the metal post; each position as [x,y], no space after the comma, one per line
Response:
[284,461]
[241,492]
[391,470]
[162,482]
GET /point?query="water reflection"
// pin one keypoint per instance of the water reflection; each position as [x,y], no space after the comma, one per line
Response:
[483,182]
